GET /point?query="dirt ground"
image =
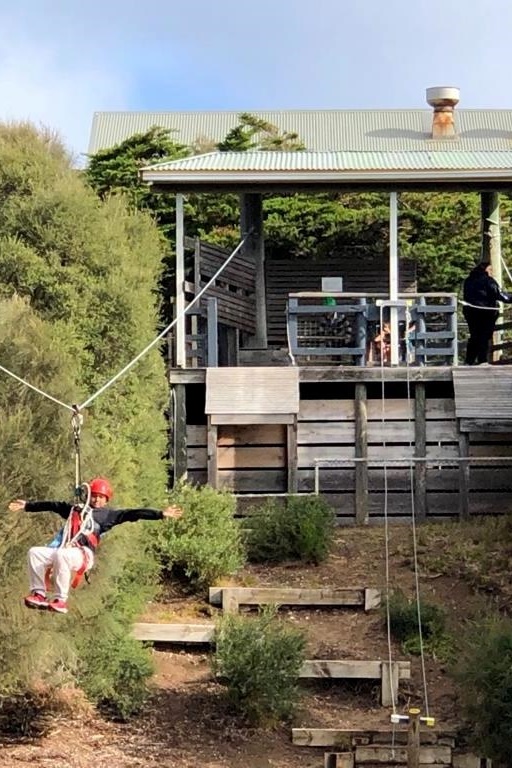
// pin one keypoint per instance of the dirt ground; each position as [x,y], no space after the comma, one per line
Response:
[186,724]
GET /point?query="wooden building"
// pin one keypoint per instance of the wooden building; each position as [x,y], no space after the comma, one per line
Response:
[277,386]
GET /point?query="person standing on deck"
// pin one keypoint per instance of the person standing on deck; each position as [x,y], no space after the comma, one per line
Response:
[481,295]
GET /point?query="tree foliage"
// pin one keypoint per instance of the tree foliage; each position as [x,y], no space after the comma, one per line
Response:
[77,302]
[439,231]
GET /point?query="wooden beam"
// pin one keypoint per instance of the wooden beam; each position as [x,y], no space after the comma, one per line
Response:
[291,596]
[212,454]
[463,476]
[291,456]
[375,755]
[251,218]
[347,737]
[353,669]
[179,436]
[339,760]
[174,633]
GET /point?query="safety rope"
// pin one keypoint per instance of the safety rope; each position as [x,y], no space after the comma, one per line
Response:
[386,520]
[414,536]
[413,517]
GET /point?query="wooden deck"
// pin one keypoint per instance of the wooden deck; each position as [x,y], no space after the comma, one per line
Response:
[415,449]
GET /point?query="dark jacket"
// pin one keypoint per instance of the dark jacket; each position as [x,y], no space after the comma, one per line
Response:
[482,290]
[104,518]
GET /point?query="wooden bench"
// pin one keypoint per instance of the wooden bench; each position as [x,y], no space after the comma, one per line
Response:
[231,598]
[349,669]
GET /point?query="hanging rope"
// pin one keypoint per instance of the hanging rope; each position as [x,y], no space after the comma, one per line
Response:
[386,522]
[413,516]
[414,537]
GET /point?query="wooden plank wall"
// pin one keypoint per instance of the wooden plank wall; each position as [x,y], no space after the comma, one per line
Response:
[252,459]
[234,289]
[284,276]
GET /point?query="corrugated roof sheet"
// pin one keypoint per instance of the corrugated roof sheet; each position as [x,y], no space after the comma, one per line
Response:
[289,162]
[323,130]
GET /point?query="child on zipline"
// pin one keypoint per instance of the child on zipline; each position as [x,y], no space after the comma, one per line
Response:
[71,553]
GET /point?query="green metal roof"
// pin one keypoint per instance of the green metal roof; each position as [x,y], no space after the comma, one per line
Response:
[339,161]
[292,169]
[322,130]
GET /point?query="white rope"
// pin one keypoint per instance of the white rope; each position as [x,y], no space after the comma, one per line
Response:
[165,331]
[476,306]
[77,408]
[414,538]
[386,521]
[36,389]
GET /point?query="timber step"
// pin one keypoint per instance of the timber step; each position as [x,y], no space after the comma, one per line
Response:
[174,633]
[231,598]
[352,669]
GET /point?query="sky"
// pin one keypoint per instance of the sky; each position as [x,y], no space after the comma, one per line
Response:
[63,60]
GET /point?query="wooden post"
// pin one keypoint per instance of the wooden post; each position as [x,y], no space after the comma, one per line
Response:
[413,741]
[291,455]
[212,453]
[361,452]
[463,475]
[251,218]
[389,683]
[420,451]
[179,428]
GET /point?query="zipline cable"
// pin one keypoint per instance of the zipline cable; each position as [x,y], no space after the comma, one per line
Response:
[75,409]
[166,330]
[36,389]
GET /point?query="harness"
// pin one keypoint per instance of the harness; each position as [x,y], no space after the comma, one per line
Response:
[78,530]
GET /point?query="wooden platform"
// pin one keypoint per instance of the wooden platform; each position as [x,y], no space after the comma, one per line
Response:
[231,598]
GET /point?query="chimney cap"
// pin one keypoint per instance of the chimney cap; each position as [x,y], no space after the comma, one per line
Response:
[443,96]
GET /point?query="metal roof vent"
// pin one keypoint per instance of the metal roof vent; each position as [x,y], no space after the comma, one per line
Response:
[444,100]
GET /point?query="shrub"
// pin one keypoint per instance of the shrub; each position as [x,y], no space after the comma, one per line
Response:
[301,529]
[260,660]
[403,615]
[206,543]
[484,671]
[115,677]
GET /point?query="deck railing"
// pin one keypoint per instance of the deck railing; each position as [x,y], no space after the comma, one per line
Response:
[343,328]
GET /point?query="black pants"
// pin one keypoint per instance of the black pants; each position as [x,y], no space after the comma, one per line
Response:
[481,324]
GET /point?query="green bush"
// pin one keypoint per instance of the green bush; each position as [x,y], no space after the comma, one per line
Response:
[115,675]
[301,529]
[206,543]
[484,671]
[403,616]
[259,659]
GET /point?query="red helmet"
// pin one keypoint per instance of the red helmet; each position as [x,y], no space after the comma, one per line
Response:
[100,485]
